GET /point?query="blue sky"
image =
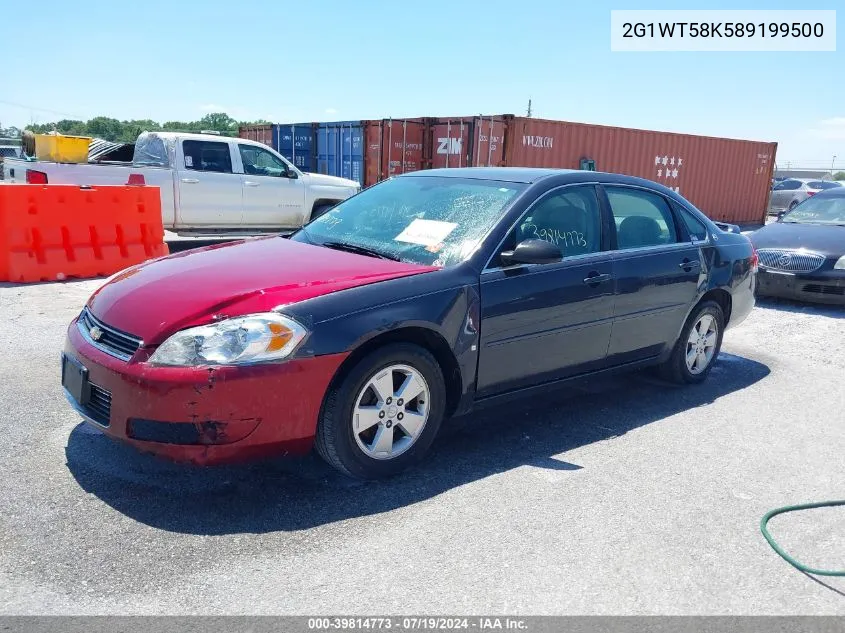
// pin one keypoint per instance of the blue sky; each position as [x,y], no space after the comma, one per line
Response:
[339,60]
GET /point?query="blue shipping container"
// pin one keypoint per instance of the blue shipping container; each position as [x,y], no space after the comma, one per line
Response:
[295,141]
[340,149]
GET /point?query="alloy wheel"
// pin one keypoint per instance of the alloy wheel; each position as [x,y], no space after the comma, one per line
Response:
[390,412]
[701,344]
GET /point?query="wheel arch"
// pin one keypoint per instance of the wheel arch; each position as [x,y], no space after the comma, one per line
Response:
[424,337]
[721,297]
[717,294]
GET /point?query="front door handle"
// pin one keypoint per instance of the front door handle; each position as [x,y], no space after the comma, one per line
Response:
[250,183]
[594,279]
[688,265]
[190,181]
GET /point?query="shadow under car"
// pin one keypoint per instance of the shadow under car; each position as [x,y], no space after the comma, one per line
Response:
[303,492]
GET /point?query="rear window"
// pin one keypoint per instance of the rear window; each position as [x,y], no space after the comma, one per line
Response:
[207,156]
[823,184]
[150,149]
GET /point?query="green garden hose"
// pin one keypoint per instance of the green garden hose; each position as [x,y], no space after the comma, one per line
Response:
[807,506]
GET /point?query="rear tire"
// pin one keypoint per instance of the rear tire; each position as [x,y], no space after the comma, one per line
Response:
[792,205]
[697,347]
[367,429]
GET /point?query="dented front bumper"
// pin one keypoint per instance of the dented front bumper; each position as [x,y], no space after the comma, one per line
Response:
[202,415]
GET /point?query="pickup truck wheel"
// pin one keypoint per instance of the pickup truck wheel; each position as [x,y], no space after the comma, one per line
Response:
[384,415]
[697,347]
[321,209]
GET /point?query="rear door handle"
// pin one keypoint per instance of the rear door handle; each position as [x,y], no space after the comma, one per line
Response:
[594,279]
[689,264]
[250,183]
[190,181]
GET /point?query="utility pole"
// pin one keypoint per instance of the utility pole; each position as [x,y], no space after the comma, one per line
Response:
[529,109]
[832,163]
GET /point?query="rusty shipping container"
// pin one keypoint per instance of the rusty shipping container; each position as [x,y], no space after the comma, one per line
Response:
[393,147]
[260,133]
[728,179]
[465,141]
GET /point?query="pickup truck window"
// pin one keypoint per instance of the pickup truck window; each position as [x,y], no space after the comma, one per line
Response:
[207,156]
[260,162]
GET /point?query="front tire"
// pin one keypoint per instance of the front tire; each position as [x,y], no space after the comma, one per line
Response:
[384,414]
[697,347]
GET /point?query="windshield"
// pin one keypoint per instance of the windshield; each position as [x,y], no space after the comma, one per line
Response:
[420,219]
[818,210]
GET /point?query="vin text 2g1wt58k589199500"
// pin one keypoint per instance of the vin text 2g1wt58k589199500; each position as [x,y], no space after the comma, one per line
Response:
[420,298]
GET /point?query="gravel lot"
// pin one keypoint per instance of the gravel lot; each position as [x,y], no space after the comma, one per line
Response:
[622,496]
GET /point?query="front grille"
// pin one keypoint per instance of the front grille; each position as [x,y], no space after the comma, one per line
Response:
[789,260]
[110,340]
[98,407]
[825,290]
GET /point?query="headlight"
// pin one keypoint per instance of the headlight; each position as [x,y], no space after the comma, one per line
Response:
[251,339]
[840,263]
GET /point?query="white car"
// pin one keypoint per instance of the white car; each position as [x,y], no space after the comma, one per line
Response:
[209,184]
[789,193]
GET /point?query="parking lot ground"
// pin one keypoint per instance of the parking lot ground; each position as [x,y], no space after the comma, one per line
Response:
[618,496]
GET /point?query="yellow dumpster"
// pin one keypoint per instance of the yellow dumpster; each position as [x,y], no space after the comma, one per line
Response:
[58,148]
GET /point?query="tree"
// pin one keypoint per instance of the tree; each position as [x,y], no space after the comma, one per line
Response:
[10,132]
[71,127]
[840,175]
[176,126]
[127,131]
[218,121]
[105,127]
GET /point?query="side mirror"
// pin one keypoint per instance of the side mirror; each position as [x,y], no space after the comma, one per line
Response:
[532,252]
[291,174]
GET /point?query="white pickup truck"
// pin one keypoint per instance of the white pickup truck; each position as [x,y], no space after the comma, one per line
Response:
[209,184]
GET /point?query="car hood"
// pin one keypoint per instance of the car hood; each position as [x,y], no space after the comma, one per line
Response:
[828,240]
[156,299]
[332,181]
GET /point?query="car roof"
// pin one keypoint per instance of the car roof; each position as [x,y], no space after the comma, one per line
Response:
[530,175]
[504,174]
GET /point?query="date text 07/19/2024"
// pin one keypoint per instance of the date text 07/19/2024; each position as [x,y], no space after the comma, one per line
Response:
[419,623]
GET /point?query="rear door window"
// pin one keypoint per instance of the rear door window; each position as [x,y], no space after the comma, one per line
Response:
[789,185]
[642,218]
[207,156]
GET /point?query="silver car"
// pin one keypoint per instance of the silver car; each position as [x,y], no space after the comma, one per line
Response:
[792,191]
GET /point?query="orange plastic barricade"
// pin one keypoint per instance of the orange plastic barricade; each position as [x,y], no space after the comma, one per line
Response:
[50,232]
